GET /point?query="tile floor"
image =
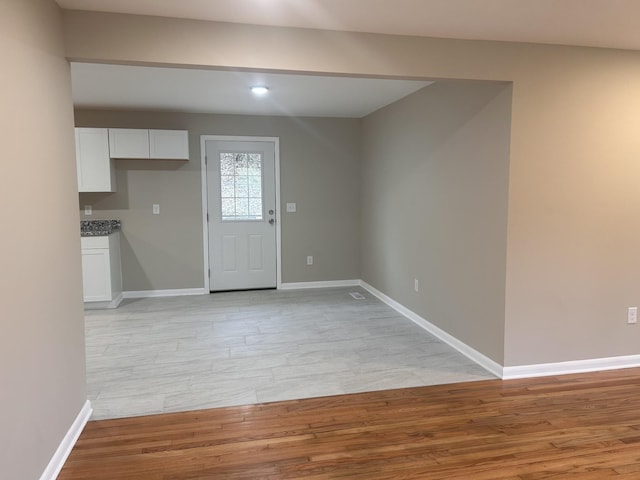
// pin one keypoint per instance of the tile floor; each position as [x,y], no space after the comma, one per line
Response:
[161,355]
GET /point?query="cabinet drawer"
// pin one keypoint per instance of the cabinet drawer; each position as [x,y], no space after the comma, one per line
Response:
[88,243]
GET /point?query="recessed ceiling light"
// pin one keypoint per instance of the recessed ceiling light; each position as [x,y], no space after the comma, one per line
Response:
[259,90]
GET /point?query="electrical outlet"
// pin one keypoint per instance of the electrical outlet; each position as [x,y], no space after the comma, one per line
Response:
[156,209]
[291,208]
[309,260]
[416,285]
[632,315]
[88,210]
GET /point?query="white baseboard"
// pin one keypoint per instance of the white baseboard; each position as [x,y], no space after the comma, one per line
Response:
[573,366]
[102,305]
[479,358]
[64,449]
[165,293]
[327,284]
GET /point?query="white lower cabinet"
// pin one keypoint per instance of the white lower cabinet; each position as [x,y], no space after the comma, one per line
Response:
[101,271]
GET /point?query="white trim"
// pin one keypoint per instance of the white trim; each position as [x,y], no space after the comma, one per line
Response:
[327,284]
[100,305]
[481,359]
[205,209]
[278,215]
[165,293]
[572,366]
[205,201]
[64,449]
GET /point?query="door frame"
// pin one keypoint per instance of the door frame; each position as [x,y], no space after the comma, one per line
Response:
[205,199]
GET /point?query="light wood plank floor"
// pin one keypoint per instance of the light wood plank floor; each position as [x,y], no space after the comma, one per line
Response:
[161,355]
[584,426]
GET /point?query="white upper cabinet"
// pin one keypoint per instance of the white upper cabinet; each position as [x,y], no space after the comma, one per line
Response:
[97,147]
[169,144]
[95,167]
[153,144]
[129,143]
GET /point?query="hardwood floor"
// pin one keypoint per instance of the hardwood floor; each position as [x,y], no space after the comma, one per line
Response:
[584,426]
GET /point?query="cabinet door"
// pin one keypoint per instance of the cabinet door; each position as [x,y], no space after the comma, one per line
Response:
[169,144]
[129,143]
[96,275]
[95,169]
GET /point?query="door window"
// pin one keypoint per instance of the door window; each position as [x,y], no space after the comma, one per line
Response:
[240,186]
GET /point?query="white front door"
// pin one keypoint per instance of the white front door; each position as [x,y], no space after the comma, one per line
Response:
[241,193]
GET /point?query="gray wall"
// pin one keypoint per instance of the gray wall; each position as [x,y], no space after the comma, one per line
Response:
[573,202]
[42,384]
[434,196]
[319,170]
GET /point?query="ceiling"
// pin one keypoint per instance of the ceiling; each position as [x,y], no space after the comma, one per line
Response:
[598,23]
[214,91]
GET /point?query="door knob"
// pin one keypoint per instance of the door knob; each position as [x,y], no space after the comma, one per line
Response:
[271,221]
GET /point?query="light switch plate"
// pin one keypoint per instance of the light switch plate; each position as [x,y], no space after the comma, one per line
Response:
[291,208]
[156,209]
[88,210]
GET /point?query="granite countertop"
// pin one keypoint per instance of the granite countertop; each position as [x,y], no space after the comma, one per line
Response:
[98,228]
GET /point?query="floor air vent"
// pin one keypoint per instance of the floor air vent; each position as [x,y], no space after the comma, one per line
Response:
[357,295]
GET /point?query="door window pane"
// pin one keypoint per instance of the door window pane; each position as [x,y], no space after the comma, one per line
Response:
[254,164]
[227,164]
[242,207]
[255,206]
[228,207]
[241,186]
[241,163]
[255,191]
[227,186]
